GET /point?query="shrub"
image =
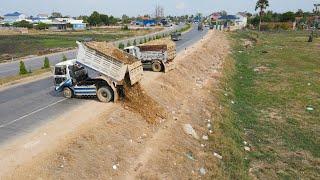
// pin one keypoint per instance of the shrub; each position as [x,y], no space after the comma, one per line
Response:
[150,38]
[22,68]
[134,42]
[128,44]
[141,41]
[42,26]
[46,63]
[121,46]
[64,58]
[125,27]
[23,23]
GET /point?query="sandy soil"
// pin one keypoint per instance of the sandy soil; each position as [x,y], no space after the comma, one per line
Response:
[121,144]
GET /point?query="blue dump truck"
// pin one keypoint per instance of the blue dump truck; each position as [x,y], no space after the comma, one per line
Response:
[100,70]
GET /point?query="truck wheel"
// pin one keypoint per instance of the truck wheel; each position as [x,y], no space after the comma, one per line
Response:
[67,93]
[156,66]
[105,94]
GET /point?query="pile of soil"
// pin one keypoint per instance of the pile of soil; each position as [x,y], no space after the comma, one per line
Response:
[110,50]
[137,100]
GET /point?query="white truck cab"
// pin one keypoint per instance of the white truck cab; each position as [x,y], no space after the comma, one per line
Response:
[62,73]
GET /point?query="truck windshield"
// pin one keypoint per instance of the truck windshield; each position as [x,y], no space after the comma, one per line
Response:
[60,70]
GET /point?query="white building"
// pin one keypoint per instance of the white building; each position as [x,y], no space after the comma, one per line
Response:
[242,20]
[41,18]
[76,24]
[14,17]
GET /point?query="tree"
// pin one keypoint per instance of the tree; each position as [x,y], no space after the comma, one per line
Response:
[23,23]
[94,19]
[125,19]
[46,63]
[42,26]
[56,15]
[288,16]
[113,20]
[104,19]
[134,42]
[84,18]
[299,13]
[261,5]
[22,68]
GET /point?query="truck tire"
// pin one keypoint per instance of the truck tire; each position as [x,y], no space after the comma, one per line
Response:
[156,66]
[105,94]
[67,92]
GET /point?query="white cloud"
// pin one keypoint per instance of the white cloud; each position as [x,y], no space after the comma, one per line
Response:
[180,5]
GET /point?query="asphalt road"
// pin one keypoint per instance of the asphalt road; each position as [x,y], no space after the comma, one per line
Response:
[25,107]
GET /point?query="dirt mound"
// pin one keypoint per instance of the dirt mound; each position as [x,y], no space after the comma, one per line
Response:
[140,102]
[110,50]
[122,145]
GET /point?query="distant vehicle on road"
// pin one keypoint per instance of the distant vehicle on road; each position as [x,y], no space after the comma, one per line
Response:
[176,36]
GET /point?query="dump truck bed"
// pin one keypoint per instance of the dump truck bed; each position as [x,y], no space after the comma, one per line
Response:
[109,61]
[160,45]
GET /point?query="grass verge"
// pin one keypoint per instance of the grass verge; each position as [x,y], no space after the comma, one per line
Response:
[271,101]
[16,78]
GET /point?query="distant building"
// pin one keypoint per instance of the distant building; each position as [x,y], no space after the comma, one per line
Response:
[41,18]
[242,20]
[14,17]
[57,25]
[78,25]
[75,24]
[215,16]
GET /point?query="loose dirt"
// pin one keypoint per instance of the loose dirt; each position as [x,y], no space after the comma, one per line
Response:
[123,145]
[140,102]
[110,50]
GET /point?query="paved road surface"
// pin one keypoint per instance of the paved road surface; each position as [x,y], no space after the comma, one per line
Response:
[25,107]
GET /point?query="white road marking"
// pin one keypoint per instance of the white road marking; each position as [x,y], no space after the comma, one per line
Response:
[31,113]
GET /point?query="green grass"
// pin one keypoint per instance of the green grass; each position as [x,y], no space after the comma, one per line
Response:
[272,85]
[38,44]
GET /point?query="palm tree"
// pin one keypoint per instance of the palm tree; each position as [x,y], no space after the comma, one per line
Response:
[261,5]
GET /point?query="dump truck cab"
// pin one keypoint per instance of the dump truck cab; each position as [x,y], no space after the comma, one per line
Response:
[62,75]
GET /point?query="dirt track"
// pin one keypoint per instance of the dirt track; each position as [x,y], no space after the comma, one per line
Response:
[123,145]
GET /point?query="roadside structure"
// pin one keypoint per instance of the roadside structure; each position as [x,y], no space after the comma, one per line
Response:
[41,18]
[14,17]
[242,20]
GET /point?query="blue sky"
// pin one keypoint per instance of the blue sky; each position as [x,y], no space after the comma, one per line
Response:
[140,7]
